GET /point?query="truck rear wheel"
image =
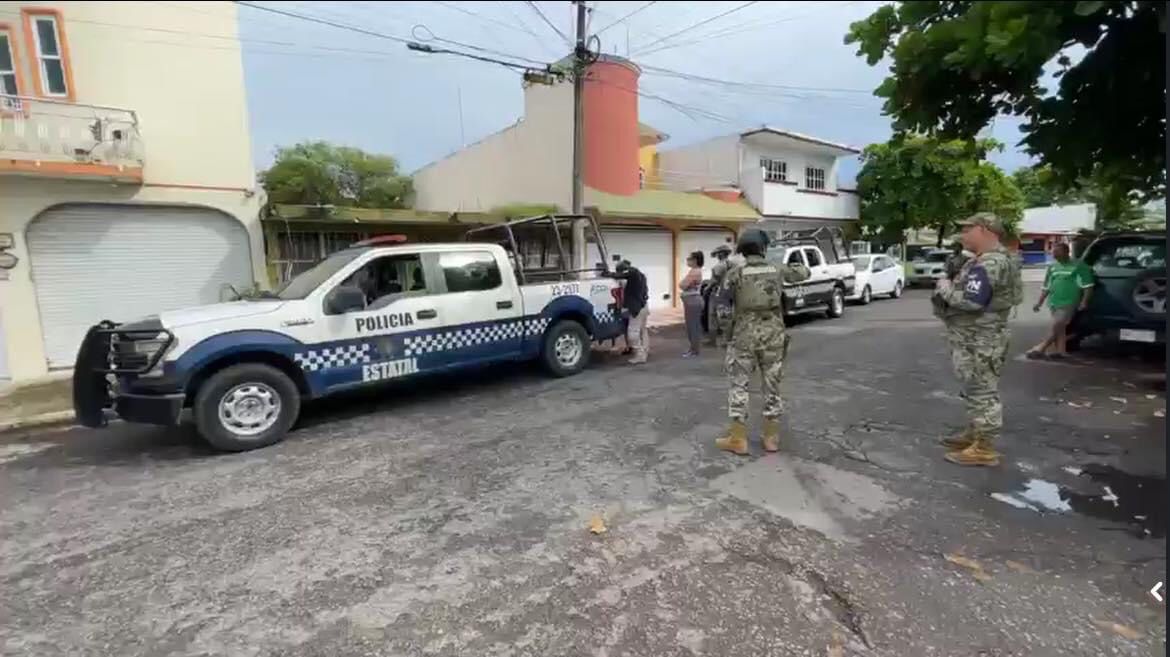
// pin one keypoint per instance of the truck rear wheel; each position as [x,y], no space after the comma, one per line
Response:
[246,406]
[566,348]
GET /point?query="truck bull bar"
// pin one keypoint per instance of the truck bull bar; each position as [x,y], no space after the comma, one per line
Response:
[92,385]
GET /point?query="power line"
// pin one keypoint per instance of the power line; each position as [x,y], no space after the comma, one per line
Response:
[554,28]
[740,28]
[524,26]
[322,21]
[626,17]
[699,24]
[433,37]
[729,83]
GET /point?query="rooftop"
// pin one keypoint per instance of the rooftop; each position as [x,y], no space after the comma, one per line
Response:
[665,203]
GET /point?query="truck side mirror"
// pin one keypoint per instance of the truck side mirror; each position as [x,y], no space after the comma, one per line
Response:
[345,299]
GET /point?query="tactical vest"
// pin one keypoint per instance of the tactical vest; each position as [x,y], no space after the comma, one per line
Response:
[759,288]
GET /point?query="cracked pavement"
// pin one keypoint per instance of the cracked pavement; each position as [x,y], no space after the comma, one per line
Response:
[451,518]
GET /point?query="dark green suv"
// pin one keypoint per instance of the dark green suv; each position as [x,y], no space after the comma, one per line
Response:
[1129,299]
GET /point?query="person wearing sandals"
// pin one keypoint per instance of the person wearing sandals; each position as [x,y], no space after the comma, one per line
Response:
[692,300]
[1068,286]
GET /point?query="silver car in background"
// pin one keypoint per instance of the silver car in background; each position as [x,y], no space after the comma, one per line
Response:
[929,268]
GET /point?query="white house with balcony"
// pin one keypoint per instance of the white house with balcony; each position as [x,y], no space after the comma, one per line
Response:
[789,178]
[126,179]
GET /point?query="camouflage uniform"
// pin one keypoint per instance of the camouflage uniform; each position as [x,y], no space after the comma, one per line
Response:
[750,298]
[975,309]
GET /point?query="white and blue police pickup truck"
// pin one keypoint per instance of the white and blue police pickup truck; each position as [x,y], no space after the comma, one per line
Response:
[368,314]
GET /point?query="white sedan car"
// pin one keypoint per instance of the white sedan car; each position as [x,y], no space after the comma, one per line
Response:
[877,275]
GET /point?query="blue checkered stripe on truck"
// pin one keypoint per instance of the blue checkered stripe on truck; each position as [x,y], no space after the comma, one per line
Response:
[330,357]
[429,343]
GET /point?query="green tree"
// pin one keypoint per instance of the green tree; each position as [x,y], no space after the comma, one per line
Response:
[915,181]
[320,173]
[956,65]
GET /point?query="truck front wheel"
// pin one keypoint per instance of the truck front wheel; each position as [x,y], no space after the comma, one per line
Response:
[246,406]
[566,348]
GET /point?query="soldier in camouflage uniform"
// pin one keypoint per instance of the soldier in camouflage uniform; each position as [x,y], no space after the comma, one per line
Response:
[750,297]
[974,308]
[722,264]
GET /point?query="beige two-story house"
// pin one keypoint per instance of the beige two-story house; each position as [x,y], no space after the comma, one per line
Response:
[126,178]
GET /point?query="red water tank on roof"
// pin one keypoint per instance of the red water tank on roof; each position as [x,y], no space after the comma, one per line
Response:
[610,102]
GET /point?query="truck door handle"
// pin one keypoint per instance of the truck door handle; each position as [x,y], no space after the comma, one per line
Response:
[426,314]
[503,305]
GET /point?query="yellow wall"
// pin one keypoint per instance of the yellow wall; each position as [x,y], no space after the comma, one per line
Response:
[648,160]
[188,94]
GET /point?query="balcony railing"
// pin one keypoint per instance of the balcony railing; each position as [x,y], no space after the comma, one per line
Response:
[40,136]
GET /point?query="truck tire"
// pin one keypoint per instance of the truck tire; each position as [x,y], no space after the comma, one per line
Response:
[246,406]
[566,348]
[836,303]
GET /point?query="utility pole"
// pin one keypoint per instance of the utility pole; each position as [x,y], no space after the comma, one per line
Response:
[580,53]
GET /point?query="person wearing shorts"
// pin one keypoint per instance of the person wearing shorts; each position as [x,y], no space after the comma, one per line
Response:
[1068,286]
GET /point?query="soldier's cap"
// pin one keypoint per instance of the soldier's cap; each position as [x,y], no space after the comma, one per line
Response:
[722,248]
[985,219]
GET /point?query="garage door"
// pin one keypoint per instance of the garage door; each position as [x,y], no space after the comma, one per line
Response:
[95,262]
[701,240]
[649,251]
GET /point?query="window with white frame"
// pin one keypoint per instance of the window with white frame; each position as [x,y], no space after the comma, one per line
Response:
[814,178]
[774,170]
[7,65]
[50,60]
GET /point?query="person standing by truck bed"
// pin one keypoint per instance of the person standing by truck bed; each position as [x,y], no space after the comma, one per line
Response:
[635,303]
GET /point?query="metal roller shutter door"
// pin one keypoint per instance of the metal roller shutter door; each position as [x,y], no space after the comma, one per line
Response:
[649,251]
[95,262]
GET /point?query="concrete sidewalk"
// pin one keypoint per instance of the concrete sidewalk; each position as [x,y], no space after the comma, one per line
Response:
[43,402]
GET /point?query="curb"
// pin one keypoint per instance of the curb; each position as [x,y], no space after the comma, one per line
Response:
[55,418]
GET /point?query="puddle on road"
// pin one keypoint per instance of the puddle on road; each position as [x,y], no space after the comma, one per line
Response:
[1132,500]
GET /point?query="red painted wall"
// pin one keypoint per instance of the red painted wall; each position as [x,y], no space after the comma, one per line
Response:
[611,127]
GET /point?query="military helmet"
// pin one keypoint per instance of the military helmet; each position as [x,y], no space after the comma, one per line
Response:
[752,241]
[722,249]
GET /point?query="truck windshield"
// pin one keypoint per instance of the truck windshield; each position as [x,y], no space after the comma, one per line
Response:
[304,283]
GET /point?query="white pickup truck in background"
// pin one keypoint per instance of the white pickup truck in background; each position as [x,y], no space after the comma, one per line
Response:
[376,311]
[832,273]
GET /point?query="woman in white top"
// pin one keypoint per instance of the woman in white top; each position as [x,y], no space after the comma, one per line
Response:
[693,301]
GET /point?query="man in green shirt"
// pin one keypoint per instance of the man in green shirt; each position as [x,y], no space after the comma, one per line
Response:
[1068,285]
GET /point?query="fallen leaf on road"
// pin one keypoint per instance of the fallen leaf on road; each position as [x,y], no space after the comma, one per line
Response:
[1151,396]
[1084,405]
[975,567]
[1120,400]
[1160,413]
[1020,567]
[597,524]
[1045,399]
[1119,629]
[1127,384]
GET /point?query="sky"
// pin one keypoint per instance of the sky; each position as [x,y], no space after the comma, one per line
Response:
[371,92]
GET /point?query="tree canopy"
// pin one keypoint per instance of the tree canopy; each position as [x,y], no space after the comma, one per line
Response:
[955,65]
[320,173]
[915,181]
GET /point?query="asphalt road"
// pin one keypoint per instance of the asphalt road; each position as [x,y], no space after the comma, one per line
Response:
[452,518]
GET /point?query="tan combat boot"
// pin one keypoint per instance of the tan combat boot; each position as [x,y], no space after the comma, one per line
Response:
[959,441]
[771,437]
[979,452]
[735,439]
